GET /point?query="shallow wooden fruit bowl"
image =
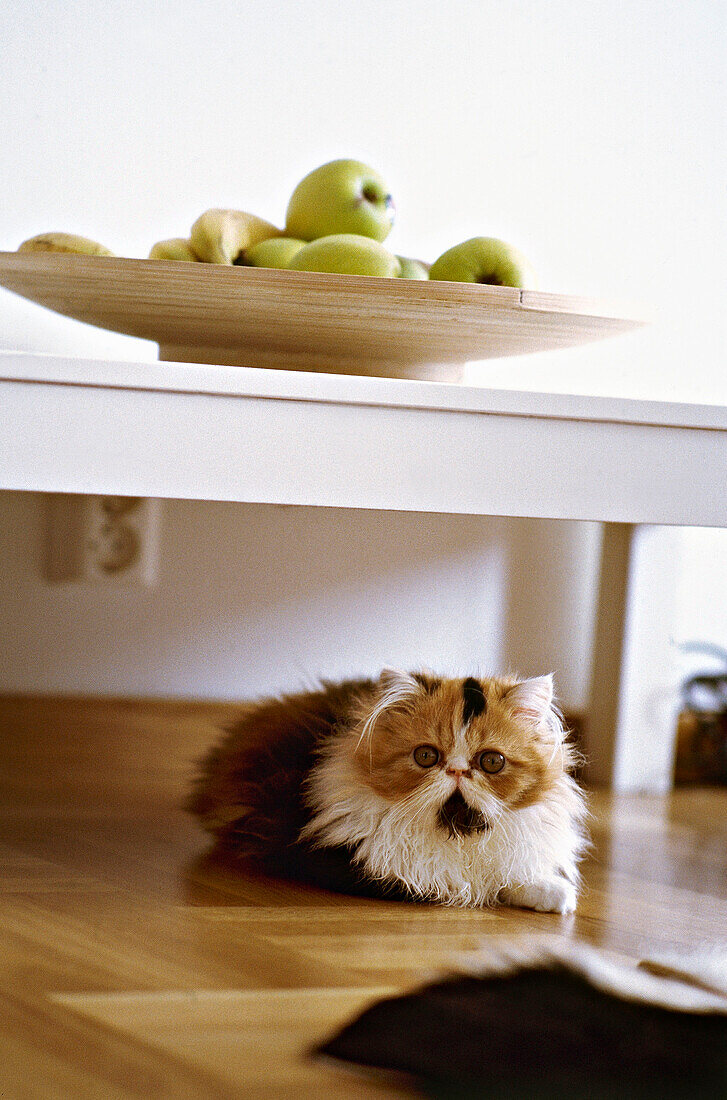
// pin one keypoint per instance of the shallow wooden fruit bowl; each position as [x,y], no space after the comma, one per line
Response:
[296,320]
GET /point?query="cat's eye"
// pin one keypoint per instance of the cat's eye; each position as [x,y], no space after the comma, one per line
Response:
[492,762]
[426,756]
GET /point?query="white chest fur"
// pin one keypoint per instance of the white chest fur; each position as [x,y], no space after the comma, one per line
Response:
[527,856]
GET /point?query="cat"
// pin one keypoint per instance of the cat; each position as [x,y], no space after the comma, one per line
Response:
[457,791]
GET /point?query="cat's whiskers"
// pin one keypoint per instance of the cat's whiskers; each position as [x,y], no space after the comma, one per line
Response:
[401,813]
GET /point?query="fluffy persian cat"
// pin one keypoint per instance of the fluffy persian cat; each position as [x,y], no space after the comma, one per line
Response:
[450,790]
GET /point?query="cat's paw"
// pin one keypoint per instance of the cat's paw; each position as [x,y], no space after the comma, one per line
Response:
[552,895]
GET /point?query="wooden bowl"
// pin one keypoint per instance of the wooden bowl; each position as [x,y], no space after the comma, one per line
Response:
[297,320]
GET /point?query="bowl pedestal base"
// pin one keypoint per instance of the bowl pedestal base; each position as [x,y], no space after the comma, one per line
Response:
[273,359]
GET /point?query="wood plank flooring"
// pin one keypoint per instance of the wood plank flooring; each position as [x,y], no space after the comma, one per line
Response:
[133,963]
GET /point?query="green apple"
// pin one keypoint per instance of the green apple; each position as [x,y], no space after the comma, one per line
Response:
[346,254]
[412,269]
[484,260]
[275,252]
[343,196]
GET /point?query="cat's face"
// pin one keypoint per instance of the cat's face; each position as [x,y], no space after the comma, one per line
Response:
[460,751]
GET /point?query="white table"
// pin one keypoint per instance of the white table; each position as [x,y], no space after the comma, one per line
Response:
[223,433]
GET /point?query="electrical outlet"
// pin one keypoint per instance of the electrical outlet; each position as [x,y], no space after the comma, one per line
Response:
[104,539]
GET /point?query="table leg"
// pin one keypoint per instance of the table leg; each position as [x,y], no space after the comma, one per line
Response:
[632,715]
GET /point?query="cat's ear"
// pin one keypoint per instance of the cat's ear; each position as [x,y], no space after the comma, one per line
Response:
[396,688]
[531,700]
[395,680]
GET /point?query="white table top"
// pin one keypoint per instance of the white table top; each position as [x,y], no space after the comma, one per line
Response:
[196,431]
[349,390]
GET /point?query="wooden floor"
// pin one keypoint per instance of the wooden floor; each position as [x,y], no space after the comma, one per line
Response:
[132,964]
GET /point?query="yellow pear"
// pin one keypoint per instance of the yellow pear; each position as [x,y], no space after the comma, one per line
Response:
[176,248]
[221,236]
[64,242]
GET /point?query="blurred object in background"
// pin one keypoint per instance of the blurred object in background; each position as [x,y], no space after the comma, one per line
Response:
[701,755]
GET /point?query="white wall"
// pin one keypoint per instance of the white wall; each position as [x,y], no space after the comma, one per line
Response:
[591,135]
[257,598]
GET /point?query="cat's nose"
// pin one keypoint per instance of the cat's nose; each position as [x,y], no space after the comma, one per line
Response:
[458,770]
